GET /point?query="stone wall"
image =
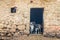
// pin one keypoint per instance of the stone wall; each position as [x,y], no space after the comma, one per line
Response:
[52,18]
[21,18]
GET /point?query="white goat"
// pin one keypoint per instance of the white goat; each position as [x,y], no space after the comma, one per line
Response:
[31,27]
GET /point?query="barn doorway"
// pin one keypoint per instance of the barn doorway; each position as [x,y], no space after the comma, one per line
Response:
[36,20]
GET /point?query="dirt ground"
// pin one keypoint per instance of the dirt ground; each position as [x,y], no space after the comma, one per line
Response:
[33,37]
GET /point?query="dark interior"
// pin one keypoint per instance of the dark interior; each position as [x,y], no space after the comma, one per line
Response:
[13,10]
[36,15]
